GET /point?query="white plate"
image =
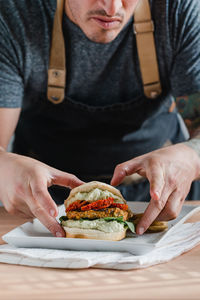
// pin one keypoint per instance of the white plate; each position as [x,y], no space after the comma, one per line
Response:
[35,235]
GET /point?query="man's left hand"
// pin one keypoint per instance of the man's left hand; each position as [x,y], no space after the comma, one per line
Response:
[170,172]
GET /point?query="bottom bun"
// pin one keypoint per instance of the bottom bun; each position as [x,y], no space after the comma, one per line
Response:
[94,234]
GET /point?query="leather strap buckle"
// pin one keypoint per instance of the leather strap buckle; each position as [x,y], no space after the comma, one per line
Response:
[56,77]
[56,85]
[143,27]
[152,90]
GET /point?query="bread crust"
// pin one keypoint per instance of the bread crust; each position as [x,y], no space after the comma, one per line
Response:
[94,234]
[87,187]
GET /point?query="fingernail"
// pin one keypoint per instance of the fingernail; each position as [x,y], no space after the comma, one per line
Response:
[157,194]
[112,182]
[52,213]
[141,230]
[59,234]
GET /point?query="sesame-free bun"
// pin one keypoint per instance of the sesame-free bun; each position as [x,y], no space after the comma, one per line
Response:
[94,234]
[87,187]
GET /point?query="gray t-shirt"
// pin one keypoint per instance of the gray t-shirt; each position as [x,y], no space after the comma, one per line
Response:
[100,79]
[98,74]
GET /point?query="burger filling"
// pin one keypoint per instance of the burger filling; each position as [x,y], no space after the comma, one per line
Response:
[103,214]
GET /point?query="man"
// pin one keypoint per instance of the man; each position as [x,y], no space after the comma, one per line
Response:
[105,120]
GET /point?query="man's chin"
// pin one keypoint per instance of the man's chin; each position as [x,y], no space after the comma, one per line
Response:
[102,38]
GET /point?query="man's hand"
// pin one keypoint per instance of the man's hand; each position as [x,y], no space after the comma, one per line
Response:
[23,185]
[170,172]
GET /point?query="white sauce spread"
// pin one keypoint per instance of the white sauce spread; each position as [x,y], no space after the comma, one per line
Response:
[95,194]
[98,224]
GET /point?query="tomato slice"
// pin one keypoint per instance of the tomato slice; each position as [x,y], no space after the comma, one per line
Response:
[121,206]
[96,205]
[76,205]
[99,204]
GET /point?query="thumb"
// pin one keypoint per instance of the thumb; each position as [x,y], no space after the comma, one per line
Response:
[65,179]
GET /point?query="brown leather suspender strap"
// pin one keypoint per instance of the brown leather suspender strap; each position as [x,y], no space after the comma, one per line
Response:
[144,31]
[57,63]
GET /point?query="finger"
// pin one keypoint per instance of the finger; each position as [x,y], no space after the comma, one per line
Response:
[123,170]
[172,207]
[40,193]
[65,179]
[153,210]
[155,176]
[49,222]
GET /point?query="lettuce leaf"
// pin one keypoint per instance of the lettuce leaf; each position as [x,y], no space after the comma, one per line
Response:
[63,218]
[119,219]
[130,225]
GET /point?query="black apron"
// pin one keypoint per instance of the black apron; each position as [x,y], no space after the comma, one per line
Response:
[91,141]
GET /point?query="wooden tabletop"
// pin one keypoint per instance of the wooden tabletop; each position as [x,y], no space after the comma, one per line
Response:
[177,279]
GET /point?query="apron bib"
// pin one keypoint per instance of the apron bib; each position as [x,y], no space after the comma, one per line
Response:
[91,141]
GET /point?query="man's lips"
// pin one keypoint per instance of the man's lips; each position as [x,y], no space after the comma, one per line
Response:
[107,23]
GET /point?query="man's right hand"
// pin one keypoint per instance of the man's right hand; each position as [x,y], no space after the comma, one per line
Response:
[23,185]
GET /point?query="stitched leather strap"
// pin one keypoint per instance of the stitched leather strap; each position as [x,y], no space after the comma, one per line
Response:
[57,63]
[144,31]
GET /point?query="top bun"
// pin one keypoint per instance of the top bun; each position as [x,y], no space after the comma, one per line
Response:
[87,187]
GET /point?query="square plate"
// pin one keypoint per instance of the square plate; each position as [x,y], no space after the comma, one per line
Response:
[35,235]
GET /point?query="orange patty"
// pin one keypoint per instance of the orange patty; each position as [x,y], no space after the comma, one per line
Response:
[95,214]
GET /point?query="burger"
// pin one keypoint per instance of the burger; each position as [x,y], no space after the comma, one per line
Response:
[96,210]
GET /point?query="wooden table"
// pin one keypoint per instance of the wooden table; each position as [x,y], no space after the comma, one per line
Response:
[177,279]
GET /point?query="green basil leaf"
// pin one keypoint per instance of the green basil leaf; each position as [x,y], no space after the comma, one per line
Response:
[130,225]
[119,219]
[63,218]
